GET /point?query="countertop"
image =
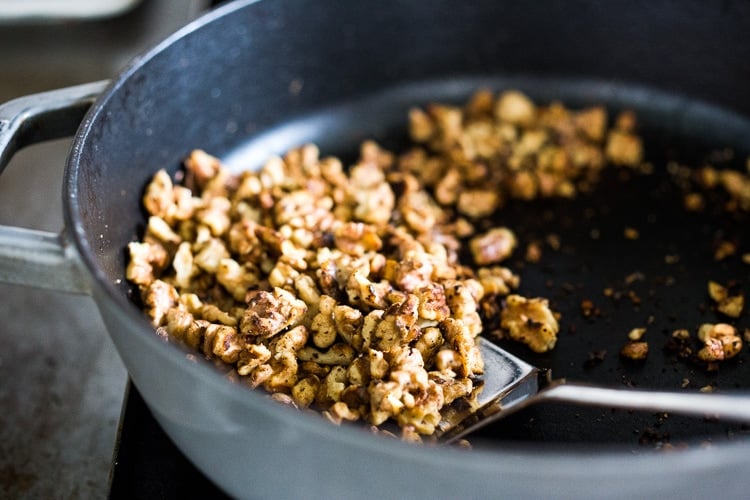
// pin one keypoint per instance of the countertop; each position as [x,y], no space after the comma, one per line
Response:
[61,381]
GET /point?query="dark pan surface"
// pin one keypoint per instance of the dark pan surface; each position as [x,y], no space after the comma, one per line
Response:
[672,295]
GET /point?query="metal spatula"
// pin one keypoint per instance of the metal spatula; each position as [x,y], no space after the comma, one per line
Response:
[511,384]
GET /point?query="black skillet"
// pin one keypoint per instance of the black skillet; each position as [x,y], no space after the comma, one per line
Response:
[255,78]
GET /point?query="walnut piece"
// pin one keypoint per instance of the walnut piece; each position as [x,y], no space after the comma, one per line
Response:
[729,305]
[635,350]
[530,321]
[721,341]
[494,246]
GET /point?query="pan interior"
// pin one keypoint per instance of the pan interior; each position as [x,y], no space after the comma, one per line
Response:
[659,280]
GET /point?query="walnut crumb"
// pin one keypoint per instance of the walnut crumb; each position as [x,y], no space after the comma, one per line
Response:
[636,334]
[636,351]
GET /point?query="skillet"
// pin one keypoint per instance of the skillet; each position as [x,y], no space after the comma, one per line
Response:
[254,78]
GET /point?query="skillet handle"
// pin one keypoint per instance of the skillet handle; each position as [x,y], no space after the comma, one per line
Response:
[734,407]
[27,256]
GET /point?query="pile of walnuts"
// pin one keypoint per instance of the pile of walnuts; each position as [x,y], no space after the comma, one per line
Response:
[343,289]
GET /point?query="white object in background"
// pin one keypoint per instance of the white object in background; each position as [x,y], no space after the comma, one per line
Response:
[54,10]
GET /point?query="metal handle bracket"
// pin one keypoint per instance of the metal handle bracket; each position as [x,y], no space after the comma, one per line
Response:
[27,256]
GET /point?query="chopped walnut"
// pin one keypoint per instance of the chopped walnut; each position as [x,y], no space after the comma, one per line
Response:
[694,202]
[729,305]
[159,298]
[624,148]
[724,249]
[635,350]
[515,108]
[721,341]
[497,280]
[636,334]
[631,233]
[592,123]
[493,246]
[530,321]
[735,184]
[146,259]
[268,313]
[224,342]
[477,203]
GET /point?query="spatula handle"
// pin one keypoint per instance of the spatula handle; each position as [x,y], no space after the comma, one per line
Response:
[724,406]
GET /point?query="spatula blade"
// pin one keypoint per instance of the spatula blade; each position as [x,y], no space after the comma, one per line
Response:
[507,382]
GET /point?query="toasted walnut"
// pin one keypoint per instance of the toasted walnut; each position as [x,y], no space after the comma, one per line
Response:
[420,211]
[428,344]
[268,313]
[210,254]
[159,195]
[421,127]
[393,328]
[497,280]
[224,342]
[284,365]
[146,260]
[182,325]
[453,388]
[461,340]
[447,190]
[514,107]
[408,396]
[170,203]
[211,313]
[159,298]
[635,351]
[338,354]
[432,302]
[493,246]
[202,166]
[721,341]
[323,326]
[254,356]
[356,238]
[636,334]
[530,321]
[340,411]
[477,203]
[363,292]
[236,279]
[592,122]
[372,197]
[215,215]
[413,272]
[304,391]
[724,249]
[737,185]
[624,149]
[184,266]
[159,229]
[348,322]
[730,305]
[463,300]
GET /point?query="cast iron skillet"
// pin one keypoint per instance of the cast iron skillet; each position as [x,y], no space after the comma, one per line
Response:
[254,78]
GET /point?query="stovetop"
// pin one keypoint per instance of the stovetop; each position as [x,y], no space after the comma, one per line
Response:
[148,465]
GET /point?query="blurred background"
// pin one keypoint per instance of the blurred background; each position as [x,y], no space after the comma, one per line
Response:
[61,381]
